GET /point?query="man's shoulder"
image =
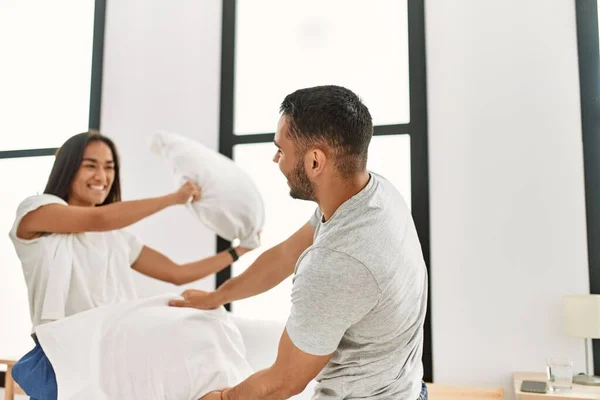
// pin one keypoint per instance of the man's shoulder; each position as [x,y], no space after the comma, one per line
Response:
[323,263]
[321,254]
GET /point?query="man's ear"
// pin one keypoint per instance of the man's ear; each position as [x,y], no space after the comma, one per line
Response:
[317,161]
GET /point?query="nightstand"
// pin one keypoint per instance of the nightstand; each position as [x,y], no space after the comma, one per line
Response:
[579,392]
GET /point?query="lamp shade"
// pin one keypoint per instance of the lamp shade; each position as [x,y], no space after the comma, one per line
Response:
[582,316]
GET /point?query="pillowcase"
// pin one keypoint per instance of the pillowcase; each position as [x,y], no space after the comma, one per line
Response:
[230,203]
[144,350]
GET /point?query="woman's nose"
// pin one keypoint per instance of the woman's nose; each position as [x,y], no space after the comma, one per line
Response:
[100,174]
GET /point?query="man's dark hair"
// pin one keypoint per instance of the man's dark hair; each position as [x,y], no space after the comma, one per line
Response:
[333,116]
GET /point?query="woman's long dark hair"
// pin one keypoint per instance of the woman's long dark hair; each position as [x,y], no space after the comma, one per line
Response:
[68,160]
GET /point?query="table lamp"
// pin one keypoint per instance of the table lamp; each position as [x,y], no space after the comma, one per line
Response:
[582,319]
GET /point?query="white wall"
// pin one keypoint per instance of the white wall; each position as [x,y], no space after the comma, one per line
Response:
[162,71]
[508,233]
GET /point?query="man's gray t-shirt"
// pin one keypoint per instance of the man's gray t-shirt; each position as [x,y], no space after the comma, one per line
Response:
[360,292]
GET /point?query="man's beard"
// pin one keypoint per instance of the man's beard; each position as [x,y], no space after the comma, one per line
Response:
[300,186]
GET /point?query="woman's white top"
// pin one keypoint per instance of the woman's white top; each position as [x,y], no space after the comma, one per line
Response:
[70,273]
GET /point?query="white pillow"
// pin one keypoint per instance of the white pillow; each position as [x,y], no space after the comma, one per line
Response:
[230,203]
[144,350]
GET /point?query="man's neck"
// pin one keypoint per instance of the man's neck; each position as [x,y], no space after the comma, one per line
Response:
[338,192]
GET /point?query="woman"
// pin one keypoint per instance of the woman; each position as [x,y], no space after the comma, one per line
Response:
[74,251]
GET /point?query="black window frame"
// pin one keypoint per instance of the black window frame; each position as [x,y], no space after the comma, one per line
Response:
[416,128]
[589,86]
[95,98]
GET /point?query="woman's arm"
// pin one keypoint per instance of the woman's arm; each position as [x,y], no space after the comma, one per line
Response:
[156,265]
[57,218]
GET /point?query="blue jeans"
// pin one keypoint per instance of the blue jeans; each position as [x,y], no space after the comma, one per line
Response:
[423,395]
[35,375]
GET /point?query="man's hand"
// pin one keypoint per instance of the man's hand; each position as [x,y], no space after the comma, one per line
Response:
[196,299]
[212,396]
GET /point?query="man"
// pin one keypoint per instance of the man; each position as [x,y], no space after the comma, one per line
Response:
[360,283]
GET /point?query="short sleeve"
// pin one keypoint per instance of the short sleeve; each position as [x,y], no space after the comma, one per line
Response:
[133,244]
[28,205]
[332,291]
[316,218]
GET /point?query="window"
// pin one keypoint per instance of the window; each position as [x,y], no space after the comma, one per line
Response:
[50,91]
[271,48]
[312,43]
[46,84]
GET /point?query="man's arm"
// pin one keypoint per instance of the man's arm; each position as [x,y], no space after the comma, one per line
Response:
[270,269]
[288,376]
[332,291]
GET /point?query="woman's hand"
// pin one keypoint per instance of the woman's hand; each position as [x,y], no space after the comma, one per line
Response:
[185,192]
